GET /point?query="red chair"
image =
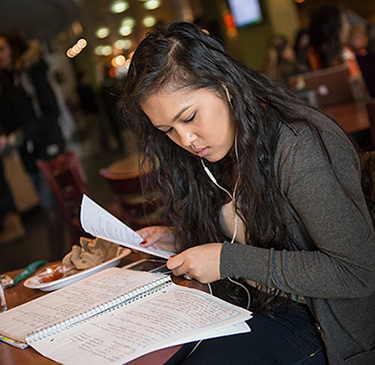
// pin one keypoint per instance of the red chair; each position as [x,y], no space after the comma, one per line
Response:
[137,208]
[68,182]
[371,116]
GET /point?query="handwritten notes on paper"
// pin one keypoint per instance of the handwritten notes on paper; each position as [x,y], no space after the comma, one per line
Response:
[143,326]
[68,302]
[100,223]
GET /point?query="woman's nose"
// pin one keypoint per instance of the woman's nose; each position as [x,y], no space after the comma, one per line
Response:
[187,137]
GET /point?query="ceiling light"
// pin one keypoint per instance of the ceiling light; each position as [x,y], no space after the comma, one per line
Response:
[98,50]
[82,43]
[103,50]
[123,44]
[102,32]
[106,50]
[70,53]
[128,22]
[149,21]
[151,4]
[125,30]
[119,6]
[77,48]
[118,61]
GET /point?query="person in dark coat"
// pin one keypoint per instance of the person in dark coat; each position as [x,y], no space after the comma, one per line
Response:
[29,115]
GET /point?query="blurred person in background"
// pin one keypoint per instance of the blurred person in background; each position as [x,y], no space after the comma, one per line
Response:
[29,115]
[301,50]
[11,227]
[358,40]
[329,33]
[371,39]
[280,61]
[86,94]
[91,126]
[110,93]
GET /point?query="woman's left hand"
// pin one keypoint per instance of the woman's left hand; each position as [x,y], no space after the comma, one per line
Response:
[200,262]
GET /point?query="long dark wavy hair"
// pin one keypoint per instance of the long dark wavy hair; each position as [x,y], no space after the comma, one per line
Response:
[178,56]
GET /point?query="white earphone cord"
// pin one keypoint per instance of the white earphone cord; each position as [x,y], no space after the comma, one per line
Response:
[233,198]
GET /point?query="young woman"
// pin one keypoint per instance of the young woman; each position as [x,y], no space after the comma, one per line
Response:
[264,198]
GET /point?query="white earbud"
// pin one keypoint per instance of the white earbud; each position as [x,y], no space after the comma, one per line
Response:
[228,95]
[209,174]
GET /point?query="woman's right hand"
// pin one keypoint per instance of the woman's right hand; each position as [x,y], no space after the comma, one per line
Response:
[159,237]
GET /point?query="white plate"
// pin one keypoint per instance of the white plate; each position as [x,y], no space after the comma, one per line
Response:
[34,283]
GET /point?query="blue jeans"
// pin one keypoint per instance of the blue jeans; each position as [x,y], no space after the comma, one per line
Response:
[286,337]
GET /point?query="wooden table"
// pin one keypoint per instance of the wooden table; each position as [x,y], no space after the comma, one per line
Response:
[19,294]
[129,166]
[352,117]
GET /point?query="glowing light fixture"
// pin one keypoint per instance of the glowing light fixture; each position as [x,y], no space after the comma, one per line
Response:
[118,61]
[70,53]
[125,30]
[149,21]
[106,50]
[119,6]
[152,4]
[98,50]
[77,48]
[103,50]
[102,32]
[123,44]
[82,43]
[128,21]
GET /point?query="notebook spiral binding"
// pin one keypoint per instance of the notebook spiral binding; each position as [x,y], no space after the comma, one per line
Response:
[121,300]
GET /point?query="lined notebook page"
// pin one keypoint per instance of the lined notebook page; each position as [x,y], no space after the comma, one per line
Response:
[70,301]
[173,315]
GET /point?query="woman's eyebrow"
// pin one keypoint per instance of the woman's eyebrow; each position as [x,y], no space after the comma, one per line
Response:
[177,115]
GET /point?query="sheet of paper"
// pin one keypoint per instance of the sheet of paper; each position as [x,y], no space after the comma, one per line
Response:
[70,301]
[174,315]
[233,329]
[100,223]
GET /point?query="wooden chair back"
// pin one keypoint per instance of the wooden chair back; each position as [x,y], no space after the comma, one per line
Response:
[68,182]
[135,193]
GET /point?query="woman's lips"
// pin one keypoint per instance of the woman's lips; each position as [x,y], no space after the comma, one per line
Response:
[202,152]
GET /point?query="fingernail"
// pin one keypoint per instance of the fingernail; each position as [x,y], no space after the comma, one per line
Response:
[172,256]
[143,242]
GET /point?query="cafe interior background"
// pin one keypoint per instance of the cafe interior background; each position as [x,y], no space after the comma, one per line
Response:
[88,43]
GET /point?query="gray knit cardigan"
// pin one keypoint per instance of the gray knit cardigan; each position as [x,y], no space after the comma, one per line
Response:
[334,266]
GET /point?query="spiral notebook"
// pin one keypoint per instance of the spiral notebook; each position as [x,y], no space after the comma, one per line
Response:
[117,315]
